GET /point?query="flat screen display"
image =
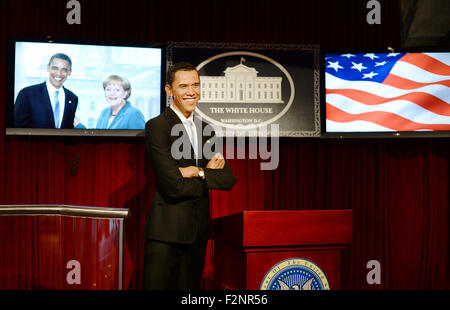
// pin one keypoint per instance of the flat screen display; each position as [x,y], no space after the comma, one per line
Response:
[66,88]
[387,92]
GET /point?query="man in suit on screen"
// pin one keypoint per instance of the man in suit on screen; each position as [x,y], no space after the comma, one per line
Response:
[48,104]
[178,223]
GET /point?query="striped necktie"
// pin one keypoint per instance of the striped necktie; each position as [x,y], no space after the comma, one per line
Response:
[56,111]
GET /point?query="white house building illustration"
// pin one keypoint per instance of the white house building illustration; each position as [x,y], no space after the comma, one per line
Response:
[240,84]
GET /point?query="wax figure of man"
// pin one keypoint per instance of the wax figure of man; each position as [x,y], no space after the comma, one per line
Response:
[178,223]
[48,104]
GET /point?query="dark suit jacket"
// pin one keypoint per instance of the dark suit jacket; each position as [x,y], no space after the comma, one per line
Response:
[180,209]
[34,110]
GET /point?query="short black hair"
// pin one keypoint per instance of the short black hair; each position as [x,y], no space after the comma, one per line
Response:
[63,57]
[181,66]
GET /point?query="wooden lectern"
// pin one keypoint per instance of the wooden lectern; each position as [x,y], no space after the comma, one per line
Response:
[61,247]
[248,244]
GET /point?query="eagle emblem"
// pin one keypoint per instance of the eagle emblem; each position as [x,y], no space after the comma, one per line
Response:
[307,286]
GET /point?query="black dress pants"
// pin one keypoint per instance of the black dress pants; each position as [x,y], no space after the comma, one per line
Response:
[172,266]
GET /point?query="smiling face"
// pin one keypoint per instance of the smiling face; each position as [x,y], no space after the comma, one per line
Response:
[185,89]
[115,94]
[58,71]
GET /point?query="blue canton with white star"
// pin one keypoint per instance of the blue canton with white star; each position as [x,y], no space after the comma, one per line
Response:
[361,67]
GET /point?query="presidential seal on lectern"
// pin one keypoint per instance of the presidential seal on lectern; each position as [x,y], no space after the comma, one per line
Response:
[295,274]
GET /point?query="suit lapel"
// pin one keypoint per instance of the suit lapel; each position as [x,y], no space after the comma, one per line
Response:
[206,137]
[47,106]
[68,110]
[171,116]
[174,120]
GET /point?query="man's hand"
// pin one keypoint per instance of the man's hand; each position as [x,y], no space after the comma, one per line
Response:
[217,162]
[189,172]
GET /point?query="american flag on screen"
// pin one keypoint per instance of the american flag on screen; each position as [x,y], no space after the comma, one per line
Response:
[387,92]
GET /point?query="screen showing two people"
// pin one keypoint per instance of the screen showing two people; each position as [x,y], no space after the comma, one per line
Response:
[85,86]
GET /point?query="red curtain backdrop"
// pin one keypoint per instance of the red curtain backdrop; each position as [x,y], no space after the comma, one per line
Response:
[397,188]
